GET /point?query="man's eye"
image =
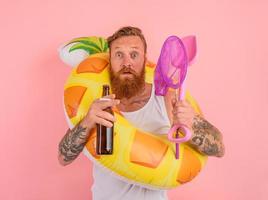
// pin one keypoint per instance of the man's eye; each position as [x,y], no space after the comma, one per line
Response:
[118,54]
[134,55]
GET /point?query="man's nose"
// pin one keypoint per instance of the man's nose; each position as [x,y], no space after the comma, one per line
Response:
[126,62]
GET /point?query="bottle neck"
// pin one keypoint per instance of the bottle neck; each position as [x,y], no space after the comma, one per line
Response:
[105,90]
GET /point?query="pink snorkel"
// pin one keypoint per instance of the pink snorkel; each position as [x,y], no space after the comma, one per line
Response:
[170,72]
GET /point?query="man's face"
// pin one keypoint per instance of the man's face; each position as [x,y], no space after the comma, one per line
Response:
[127,60]
[127,53]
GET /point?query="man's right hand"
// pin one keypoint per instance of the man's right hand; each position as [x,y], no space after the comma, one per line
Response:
[97,115]
[75,139]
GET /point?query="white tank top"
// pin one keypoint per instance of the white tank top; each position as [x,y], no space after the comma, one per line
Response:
[152,117]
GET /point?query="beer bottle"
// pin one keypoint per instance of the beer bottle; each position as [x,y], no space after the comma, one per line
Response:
[105,134]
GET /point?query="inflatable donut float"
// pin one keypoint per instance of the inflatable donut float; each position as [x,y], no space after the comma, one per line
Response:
[139,157]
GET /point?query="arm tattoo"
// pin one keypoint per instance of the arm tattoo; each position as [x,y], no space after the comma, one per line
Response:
[206,138]
[73,143]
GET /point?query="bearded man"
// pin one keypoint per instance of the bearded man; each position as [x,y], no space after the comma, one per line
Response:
[138,103]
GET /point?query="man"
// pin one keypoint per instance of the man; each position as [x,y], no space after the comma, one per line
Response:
[136,101]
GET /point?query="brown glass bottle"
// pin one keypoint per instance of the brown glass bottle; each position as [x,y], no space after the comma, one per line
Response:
[105,134]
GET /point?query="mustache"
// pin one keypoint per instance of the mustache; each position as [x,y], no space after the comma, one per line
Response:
[127,70]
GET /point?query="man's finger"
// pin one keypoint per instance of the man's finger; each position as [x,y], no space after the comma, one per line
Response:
[180,109]
[182,103]
[103,122]
[105,115]
[105,103]
[173,102]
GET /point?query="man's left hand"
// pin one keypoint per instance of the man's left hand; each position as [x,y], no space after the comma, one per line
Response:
[183,113]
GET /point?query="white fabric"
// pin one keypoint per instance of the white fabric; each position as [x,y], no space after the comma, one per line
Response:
[152,118]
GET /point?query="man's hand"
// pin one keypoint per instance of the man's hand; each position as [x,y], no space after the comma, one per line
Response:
[183,113]
[206,138]
[75,139]
[96,113]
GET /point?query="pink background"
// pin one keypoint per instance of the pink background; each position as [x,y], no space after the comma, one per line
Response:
[229,80]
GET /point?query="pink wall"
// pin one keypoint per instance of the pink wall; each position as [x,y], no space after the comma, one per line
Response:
[229,79]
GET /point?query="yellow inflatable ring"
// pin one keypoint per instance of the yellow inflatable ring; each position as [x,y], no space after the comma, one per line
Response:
[139,157]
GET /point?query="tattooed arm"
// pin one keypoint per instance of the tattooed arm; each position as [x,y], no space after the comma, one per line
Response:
[206,138]
[74,140]
[73,143]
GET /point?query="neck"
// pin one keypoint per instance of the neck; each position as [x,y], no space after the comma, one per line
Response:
[135,97]
[136,102]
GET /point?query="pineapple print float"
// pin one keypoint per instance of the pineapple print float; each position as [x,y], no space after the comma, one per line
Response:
[139,157]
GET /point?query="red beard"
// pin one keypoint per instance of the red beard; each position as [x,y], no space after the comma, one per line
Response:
[127,87]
